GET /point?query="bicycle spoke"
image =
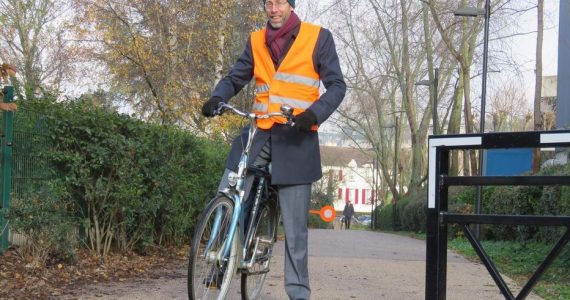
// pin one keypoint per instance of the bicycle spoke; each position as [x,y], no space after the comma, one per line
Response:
[208,278]
[253,279]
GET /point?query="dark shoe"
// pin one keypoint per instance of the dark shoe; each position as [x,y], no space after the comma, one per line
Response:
[214,280]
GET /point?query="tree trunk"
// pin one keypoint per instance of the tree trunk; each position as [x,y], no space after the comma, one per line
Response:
[455,124]
[538,82]
[470,167]
[429,59]
[418,142]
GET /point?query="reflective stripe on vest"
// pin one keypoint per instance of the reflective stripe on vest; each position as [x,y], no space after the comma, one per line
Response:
[288,101]
[297,79]
[264,88]
[259,107]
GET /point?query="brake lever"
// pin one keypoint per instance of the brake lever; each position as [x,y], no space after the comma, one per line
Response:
[220,109]
[288,112]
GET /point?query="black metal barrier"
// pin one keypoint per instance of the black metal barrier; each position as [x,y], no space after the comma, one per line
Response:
[438,217]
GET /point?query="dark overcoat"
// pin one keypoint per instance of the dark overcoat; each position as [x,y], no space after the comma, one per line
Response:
[295,154]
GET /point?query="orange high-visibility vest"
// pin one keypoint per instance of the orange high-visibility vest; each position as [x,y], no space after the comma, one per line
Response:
[295,82]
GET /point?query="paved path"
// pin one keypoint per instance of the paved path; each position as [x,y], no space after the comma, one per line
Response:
[343,265]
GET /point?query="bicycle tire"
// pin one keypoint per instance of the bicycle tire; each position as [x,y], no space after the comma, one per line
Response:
[265,228]
[207,279]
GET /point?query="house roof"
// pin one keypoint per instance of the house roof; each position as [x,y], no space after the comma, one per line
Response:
[341,156]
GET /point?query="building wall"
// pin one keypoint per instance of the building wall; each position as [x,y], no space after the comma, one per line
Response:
[352,183]
[549,86]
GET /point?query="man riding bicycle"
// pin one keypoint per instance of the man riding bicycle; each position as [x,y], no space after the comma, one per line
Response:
[288,59]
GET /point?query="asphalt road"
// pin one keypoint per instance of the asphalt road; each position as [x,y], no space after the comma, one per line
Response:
[343,265]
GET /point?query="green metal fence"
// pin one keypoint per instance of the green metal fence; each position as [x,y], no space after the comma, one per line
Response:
[6,156]
[30,167]
[24,166]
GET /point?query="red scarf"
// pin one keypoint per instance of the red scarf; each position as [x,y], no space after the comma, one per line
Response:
[277,39]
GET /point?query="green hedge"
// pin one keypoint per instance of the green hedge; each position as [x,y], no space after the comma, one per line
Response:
[519,200]
[315,221]
[414,215]
[125,183]
[385,219]
[508,200]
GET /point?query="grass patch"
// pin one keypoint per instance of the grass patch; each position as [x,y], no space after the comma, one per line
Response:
[519,260]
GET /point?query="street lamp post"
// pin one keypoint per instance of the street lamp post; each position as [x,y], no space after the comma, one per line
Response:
[435,93]
[486,13]
[433,83]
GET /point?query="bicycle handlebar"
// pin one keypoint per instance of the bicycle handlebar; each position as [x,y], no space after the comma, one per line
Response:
[286,112]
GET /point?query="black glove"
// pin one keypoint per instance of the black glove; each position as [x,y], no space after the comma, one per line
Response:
[305,120]
[210,106]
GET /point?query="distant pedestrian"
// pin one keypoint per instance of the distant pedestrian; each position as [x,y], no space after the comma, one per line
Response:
[348,212]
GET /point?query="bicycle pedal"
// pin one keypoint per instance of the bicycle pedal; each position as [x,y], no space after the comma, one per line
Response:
[258,272]
[213,281]
[265,241]
[208,282]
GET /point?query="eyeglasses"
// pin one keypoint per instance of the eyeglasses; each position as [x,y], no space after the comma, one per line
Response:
[270,5]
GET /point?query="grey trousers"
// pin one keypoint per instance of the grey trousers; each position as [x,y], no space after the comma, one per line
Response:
[294,201]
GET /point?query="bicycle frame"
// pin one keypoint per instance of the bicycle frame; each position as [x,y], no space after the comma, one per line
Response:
[236,194]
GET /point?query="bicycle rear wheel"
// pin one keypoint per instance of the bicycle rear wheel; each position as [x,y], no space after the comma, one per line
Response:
[208,278]
[253,278]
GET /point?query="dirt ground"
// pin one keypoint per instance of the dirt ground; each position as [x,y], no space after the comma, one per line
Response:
[343,265]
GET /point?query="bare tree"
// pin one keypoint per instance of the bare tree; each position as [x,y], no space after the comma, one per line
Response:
[442,12]
[383,59]
[35,39]
[370,104]
[508,107]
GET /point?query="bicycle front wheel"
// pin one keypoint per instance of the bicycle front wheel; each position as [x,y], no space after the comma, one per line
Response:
[253,278]
[208,277]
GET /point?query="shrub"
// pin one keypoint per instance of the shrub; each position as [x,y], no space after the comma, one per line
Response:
[413,213]
[455,230]
[316,222]
[48,227]
[467,195]
[384,217]
[127,183]
[522,200]
[554,201]
[387,219]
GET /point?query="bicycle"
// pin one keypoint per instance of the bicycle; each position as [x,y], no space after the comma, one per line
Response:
[222,246]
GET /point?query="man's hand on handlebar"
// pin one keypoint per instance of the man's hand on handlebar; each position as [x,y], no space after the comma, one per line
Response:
[286,112]
[211,106]
[305,121]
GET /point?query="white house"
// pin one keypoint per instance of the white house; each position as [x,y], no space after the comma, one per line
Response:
[351,171]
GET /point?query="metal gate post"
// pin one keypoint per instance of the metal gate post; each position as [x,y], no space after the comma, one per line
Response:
[431,226]
[436,233]
[6,184]
[439,217]
[442,227]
